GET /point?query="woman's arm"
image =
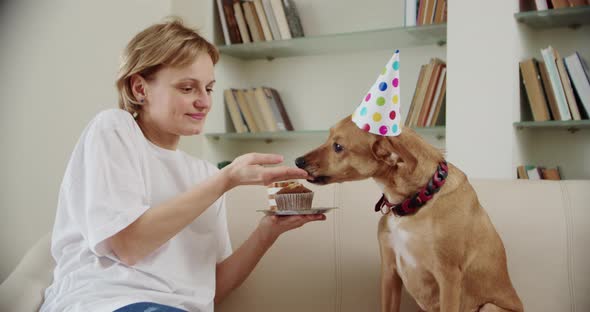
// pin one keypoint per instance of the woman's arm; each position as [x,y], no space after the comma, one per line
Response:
[232,272]
[160,223]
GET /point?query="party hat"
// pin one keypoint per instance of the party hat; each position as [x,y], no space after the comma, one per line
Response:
[379,111]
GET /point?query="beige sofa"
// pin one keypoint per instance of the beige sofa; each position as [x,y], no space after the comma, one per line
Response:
[334,265]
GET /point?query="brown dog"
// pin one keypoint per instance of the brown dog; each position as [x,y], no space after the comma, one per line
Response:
[441,246]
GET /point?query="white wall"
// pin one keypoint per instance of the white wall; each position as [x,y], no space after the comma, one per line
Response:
[59,61]
[483,53]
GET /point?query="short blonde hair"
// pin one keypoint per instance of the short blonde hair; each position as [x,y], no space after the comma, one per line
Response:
[168,44]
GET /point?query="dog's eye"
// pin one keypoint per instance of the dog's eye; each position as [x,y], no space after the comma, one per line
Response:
[338,148]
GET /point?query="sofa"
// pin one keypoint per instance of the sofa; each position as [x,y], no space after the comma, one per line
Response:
[334,265]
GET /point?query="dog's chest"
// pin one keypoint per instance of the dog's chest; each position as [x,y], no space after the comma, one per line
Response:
[399,241]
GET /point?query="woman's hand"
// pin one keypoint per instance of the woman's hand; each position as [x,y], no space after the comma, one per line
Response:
[273,226]
[248,169]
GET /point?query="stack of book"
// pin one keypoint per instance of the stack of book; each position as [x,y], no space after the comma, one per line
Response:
[428,104]
[538,173]
[425,12]
[556,88]
[256,110]
[244,21]
[539,5]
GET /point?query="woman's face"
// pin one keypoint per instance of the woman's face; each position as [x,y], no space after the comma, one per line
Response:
[179,98]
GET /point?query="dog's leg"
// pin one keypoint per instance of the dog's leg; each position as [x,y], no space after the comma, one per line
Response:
[391,291]
[450,290]
[391,283]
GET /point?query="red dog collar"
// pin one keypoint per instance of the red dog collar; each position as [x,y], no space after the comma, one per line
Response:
[412,204]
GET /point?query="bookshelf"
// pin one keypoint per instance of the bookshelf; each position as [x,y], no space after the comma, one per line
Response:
[328,45]
[437,132]
[570,125]
[554,142]
[377,39]
[564,17]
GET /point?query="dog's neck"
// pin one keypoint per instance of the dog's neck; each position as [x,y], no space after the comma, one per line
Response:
[418,161]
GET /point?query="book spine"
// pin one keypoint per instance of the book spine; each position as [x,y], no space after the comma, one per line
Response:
[411,9]
[223,22]
[549,59]
[293,18]
[241,22]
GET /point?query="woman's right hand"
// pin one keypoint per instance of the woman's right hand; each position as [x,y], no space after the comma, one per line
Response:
[249,169]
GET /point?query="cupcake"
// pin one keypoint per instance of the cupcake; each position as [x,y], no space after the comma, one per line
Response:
[294,196]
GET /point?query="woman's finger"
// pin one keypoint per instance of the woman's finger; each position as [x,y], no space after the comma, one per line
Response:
[274,174]
[265,159]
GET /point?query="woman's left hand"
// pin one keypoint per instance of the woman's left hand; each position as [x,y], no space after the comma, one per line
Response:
[274,226]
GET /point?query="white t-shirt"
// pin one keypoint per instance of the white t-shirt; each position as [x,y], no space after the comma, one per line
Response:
[114,175]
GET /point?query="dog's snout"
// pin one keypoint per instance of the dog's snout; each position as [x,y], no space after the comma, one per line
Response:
[300,162]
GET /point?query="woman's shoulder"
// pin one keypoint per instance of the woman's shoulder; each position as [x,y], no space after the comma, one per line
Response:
[113,118]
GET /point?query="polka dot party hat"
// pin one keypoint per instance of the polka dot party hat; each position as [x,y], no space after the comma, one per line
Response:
[379,111]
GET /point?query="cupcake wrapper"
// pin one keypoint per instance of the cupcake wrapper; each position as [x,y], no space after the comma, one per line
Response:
[299,201]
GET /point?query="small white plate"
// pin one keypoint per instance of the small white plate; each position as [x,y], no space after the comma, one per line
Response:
[315,210]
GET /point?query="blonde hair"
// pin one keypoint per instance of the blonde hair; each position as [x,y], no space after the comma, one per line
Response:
[168,44]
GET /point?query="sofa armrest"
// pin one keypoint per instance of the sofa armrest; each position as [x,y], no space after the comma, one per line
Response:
[24,288]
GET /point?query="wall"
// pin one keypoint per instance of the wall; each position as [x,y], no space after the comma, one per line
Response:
[59,61]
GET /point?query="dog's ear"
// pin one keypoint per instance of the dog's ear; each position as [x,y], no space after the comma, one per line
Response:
[383,151]
[393,152]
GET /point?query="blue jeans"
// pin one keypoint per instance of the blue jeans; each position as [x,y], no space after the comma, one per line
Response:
[148,307]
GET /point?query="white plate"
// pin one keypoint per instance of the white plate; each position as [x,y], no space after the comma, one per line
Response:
[315,210]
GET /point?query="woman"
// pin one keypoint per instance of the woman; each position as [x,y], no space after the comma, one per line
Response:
[141,225]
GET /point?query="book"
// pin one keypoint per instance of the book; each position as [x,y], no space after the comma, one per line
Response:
[227,7]
[279,13]
[438,99]
[549,92]
[256,111]
[442,115]
[534,173]
[252,21]
[244,106]
[422,88]
[279,103]
[439,12]
[265,95]
[263,20]
[234,112]
[534,89]
[411,9]
[428,98]
[579,73]
[555,80]
[223,22]
[293,18]
[429,13]
[575,3]
[272,21]
[557,4]
[421,12]
[541,5]
[551,173]
[567,87]
[413,104]
[241,22]
[521,172]
[265,108]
